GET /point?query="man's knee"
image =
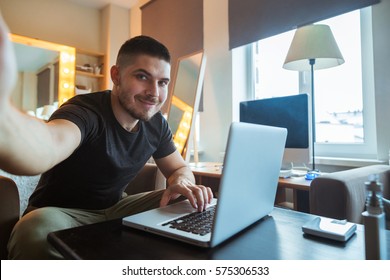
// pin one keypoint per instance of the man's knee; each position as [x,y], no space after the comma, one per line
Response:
[29,236]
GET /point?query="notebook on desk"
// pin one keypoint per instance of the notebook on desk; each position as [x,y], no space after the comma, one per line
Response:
[246,193]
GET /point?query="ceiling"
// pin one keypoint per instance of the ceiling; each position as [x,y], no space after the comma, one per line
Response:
[101,3]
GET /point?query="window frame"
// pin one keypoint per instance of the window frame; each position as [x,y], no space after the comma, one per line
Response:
[366,151]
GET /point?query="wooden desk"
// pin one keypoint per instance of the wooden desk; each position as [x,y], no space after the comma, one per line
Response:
[278,236]
[209,174]
[300,191]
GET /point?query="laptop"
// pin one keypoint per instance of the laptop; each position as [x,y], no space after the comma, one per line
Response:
[246,193]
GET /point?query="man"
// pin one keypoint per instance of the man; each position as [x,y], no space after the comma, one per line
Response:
[92,147]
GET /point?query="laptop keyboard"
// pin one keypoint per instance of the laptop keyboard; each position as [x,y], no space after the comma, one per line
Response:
[197,222]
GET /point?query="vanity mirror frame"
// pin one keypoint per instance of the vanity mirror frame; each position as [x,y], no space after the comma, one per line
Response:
[185,131]
[66,79]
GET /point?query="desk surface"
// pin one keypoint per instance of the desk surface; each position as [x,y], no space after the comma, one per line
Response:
[277,236]
[214,169]
[210,169]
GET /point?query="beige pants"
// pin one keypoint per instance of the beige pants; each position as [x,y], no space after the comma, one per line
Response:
[29,237]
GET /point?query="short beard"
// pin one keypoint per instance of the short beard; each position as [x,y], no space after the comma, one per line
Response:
[142,116]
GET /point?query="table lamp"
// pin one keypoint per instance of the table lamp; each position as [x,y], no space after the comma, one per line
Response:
[313,47]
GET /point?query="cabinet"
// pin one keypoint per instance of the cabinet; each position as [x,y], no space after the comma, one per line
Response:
[90,72]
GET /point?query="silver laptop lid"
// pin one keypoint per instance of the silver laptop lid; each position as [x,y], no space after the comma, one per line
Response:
[249,179]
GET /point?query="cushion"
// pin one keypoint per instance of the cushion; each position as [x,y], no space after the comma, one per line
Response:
[26,185]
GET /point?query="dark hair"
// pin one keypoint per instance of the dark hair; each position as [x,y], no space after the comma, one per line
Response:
[142,45]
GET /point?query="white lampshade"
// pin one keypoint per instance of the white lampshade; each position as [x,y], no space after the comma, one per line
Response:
[313,42]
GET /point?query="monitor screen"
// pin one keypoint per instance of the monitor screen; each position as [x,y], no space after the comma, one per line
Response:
[290,112]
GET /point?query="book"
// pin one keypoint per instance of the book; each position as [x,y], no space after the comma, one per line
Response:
[340,230]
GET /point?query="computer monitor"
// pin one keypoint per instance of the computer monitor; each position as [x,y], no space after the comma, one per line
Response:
[290,112]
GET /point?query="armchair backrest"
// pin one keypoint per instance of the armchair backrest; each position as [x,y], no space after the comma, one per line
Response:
[342,195]
[145,181]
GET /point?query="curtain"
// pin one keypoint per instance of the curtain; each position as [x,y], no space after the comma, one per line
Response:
[253,20]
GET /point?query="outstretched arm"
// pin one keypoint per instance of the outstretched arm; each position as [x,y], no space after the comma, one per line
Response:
[28,145]
[181,181]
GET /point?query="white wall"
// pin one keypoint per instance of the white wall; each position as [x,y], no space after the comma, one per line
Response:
[116,22]
[24,94]
[381,43]
[217,89]
[17,92]
[29,91]
[136,18]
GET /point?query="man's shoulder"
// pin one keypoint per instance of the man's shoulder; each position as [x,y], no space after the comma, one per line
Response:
[90,98]
[85,108]
[158,117]
[95,103]
[158,120]
[156,127]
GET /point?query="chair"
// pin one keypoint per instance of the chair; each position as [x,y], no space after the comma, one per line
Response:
[9,212]
[148,179]
[342,195]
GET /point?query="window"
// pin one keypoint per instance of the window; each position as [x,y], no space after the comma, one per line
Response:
[342,113]
[339,98]
[271,80]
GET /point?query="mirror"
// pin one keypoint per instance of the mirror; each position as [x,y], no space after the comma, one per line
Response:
[185,98]
[45,75]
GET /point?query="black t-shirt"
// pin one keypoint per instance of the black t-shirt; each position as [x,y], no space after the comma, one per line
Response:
[107,159]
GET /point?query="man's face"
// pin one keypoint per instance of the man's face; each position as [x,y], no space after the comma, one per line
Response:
[142,86]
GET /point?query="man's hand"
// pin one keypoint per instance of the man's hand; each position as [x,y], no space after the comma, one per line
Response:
[181,181]
[7,64]
[198,195]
